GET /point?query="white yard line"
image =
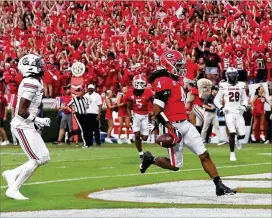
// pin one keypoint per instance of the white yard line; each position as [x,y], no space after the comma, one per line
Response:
[137,174]
[251,176]
[145,212]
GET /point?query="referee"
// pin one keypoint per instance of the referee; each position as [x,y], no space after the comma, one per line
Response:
[80,105]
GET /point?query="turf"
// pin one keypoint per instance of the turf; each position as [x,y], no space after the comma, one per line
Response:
[112,166]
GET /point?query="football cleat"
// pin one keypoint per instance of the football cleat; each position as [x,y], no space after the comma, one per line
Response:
[232,156]
[119,141]
[221,142]
[253,137]
[221,189]
[128,141]
[15,194]
[148,159]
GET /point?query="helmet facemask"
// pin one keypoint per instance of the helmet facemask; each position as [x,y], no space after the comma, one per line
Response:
[180,68]
[232,78]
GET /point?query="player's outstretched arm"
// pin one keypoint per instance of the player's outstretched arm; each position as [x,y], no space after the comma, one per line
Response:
[218,98]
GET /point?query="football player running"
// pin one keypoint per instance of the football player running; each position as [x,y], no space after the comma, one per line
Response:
[137,100]
[169,110]
[235,104]
[23,125]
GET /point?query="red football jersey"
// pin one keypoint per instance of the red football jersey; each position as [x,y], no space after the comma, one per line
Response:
[174,108]
[139,103]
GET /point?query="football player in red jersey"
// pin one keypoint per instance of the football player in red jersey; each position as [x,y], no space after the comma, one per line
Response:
[169,110]
[137,101]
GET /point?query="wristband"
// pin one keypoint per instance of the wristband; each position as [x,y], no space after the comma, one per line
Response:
[162,118]
[30,118]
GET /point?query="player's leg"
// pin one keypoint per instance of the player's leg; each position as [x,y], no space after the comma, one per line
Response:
[127,122]
[199,117]
[136,127]
[241,130]
[32,143]
[173,163]
[193,141]
[255,122]
[144,128]
[230,122]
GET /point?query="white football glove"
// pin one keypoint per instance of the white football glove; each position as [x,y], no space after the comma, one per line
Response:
[42,121]
[225,110]
[242,109]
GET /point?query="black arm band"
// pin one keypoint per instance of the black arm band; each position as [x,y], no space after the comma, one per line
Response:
[162,118]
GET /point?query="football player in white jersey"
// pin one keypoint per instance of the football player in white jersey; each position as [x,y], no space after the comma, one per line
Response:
[22,125]
[235,104]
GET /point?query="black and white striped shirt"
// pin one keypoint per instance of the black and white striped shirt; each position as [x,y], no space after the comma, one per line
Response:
[80,104]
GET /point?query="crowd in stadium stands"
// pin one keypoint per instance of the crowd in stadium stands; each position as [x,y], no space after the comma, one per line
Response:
[119,39]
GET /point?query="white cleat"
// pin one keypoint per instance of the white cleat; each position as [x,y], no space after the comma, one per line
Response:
[253,138]
[4,143]
[220,143]
[266,142]
[239,145]
[15,194]
[128,141]
[119,141]
[108,140]
[262,137]
[232,156]
[9,177]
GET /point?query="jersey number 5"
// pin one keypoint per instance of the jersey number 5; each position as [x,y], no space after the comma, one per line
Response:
[139,103]
[234,96]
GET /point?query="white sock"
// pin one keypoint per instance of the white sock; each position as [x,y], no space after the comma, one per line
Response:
[27,170]
[141,153]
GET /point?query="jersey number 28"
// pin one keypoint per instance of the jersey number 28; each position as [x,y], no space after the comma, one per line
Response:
[234,96]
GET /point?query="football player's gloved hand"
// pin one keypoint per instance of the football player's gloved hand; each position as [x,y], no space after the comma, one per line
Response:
[174,132]
[224,110]
[242,109]
[152,125]
[42,121]
[38,126]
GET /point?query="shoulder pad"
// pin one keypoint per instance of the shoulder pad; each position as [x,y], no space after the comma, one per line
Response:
[162,83]
[242,84]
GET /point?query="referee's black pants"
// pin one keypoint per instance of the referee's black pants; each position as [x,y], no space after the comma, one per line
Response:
[83,127]
[93,127]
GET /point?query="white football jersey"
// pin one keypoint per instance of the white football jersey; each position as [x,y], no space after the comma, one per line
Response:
[31,89]
[233,95]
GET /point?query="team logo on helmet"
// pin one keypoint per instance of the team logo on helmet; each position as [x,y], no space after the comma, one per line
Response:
[174,63]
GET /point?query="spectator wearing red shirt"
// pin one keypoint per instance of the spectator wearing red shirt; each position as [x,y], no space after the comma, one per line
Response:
[197,103]
[66,119]
[3,118]
[192,72]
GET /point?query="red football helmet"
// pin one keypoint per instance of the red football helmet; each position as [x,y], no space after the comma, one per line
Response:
[174,63]
[139,82]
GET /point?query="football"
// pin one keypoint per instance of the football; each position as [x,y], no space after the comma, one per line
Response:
[165,140]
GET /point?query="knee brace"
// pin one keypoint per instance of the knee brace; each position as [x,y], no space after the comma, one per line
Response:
[43,160]
[241,137]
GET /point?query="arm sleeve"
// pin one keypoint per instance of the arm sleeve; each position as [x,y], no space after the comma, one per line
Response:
[244,99]
[218,98]
[161,97]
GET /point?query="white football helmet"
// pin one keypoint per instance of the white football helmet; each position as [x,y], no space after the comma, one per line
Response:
[139,82]
[232,75]
[31,65]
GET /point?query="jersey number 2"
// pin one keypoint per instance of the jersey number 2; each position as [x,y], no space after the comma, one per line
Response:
[234,96]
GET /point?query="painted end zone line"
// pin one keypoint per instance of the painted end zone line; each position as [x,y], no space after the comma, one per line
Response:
[138,174]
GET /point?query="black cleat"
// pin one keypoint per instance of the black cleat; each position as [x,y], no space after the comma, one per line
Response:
[221,189]
[141,157]
[148,159]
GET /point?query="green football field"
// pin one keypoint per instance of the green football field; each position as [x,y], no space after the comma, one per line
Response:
[74,173]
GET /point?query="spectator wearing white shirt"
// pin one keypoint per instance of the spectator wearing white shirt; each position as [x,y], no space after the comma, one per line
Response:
[93,115]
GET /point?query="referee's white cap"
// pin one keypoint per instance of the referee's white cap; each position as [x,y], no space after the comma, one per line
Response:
[91,86]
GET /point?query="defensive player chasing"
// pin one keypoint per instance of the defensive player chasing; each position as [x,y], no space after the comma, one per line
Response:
[169,109]
[23,125]
[137,101]
[235,104]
